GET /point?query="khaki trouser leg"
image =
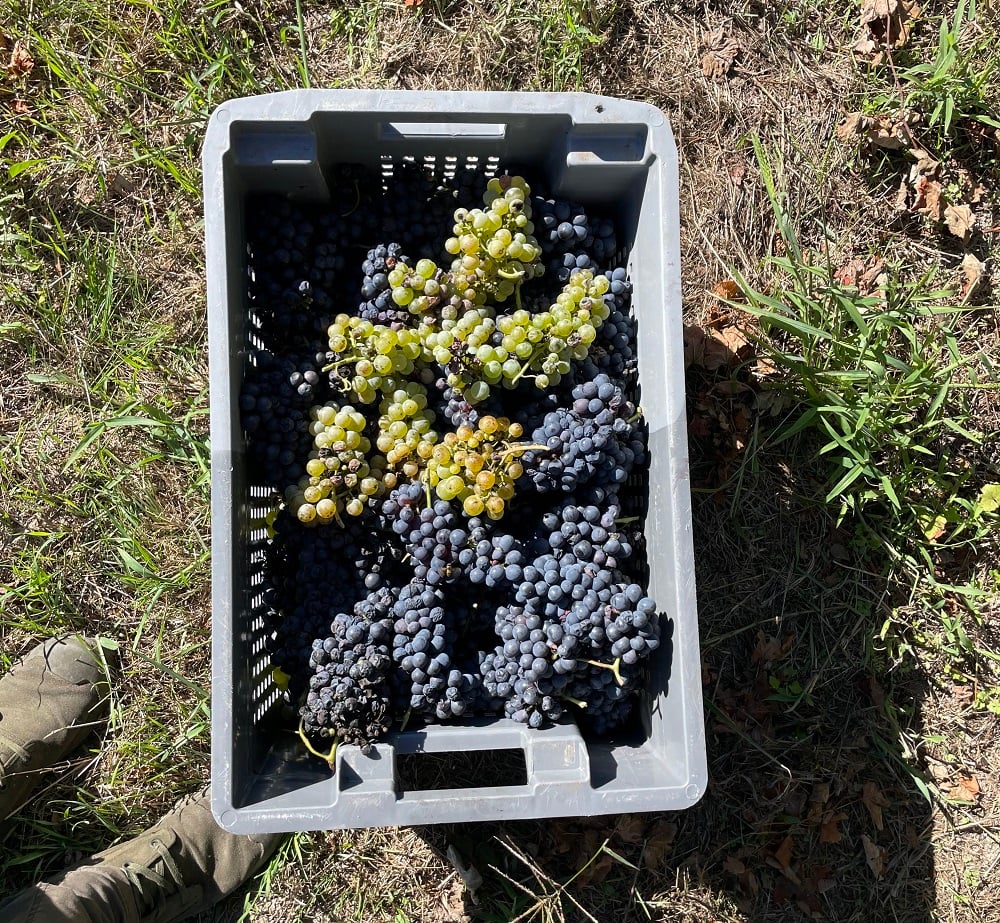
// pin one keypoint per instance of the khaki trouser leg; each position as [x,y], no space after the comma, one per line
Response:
[63,901]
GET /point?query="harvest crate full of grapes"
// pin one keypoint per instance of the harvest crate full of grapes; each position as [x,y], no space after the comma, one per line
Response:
[452,564]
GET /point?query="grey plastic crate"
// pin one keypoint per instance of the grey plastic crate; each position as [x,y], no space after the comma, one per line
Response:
[604,152]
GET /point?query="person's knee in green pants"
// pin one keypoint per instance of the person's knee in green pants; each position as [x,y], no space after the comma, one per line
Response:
[49,702]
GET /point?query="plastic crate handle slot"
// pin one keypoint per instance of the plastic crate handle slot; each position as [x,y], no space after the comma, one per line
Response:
[408,131]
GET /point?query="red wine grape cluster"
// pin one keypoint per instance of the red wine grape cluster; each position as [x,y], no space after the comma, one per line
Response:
[452,440]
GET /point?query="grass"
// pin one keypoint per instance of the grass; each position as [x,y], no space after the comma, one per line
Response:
[883,379]
[846,560]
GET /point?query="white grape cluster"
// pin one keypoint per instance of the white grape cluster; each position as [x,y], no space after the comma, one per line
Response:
[405,435]
[342,474]
[366,354]
[494,247]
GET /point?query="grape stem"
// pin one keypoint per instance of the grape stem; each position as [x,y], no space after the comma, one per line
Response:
[527,363]
[579,703]
[405,721]
[524,447]
[615,668]
[340,362]
[330,757]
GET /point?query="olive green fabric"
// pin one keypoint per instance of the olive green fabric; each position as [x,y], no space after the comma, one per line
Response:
[50,702]
[181,866]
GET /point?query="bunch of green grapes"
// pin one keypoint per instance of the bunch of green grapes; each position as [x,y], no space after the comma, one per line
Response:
[366,355]
[421,288]
[541,346]
[478,466]
[341,475]
[494,248]
[536,346]
[405,435]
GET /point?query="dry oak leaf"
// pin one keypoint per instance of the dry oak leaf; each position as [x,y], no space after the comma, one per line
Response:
[829,831]
[659,845]
[734,866]
[721,51]
[21,63]
[966,789]
[728,290]
[885,24]
[875,856]
[890,134]
[864,275]
[874,800]
[959,220]
[930,200]
[850,125]
[818,798]
[629,829]
[694,345]
[733,339]
[768,649]
[925,165]
[974,270]
[782,860]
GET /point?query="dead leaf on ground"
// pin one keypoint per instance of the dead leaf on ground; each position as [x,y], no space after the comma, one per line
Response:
[694,345]
[728,290]
[20,107]
[939,770]
[874,800]
[659,845]
[974,270]
[630,829]
[730,388]
[924,165]
[781,859]
[737,173]
[875,691]
[885,24]
[930,199]
[960,220]
[867,276]
[818,798]
[829,831]
[720,52]
[734,866]
[714,349]
[21,63]
[875,856]
[767,649]
[770,402]
[850,125]
[889,132]
[591,843]
[734,340]
[966,789]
